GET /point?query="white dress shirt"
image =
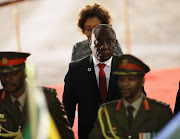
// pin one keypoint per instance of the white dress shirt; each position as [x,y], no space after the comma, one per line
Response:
[107,69]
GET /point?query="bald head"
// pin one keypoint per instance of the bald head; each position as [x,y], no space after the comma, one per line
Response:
[103,42]
[104,27]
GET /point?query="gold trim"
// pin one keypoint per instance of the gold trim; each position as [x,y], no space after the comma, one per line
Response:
[125,73]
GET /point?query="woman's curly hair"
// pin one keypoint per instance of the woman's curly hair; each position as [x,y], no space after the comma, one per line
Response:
[94,10]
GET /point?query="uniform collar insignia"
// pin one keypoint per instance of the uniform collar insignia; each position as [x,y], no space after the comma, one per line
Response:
[146,104]
[119,105]
[3,95]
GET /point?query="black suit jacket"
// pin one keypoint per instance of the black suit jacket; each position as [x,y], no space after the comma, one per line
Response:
[10,121]
[81,88]
[177,104]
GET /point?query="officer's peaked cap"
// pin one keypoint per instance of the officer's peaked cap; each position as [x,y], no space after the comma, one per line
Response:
[12,61]
[130,65]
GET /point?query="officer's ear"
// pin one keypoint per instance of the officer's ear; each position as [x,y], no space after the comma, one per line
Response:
[143,80]
[25,73]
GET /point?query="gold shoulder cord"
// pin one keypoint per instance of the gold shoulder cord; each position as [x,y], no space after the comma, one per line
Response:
[109,124]
[16,135]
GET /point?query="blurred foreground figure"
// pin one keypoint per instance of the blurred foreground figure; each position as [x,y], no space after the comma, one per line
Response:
[134,116]
[14,114]
[171,130]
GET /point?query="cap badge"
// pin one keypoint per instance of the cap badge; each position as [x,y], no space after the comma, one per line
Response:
[125,62]
[4,61]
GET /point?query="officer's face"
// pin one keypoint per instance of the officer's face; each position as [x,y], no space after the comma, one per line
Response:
[103,43]
[14,81]
[130,86]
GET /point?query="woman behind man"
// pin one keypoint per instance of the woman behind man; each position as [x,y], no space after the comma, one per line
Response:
[89,17]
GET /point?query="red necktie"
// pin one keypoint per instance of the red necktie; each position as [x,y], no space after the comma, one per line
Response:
[102,83]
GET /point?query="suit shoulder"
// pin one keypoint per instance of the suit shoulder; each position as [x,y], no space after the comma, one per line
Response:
[79,63]
[81,44]
[49,90]
[116,57]
[116,61]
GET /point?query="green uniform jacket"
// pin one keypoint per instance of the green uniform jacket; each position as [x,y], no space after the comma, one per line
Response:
[150,118]
[9,121]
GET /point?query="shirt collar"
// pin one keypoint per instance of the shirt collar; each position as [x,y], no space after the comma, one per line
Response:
[135,104]
[107,63]
[21,99]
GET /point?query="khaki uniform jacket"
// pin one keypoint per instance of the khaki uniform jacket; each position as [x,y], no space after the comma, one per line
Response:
[9,120]
[151,117]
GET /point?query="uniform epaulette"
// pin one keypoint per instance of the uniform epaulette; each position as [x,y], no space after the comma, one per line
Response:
[159,102]
[49,89]
[109,103]
[2,94]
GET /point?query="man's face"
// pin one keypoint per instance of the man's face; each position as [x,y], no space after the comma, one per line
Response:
[103,43]
[14,81]
[130,86]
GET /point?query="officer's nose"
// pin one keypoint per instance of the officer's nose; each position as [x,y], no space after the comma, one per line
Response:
[125,81]
[7,76]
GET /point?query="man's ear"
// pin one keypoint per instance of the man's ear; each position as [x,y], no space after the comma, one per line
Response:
[116,43]
[89,41]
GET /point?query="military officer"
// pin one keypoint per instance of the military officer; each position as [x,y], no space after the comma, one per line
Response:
[13,104]
[134,116]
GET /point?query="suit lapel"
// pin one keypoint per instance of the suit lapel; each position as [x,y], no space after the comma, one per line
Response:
[89,69]
[141,117]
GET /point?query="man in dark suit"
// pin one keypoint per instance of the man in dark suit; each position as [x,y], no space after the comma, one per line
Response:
[82,82]
[177,104]
[134,116]
[13,98]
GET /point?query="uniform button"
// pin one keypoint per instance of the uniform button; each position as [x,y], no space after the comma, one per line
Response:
[129,137]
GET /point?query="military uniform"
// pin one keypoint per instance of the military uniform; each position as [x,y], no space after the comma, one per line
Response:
[9,120]
[134,116]
[10,123]
[151,117]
